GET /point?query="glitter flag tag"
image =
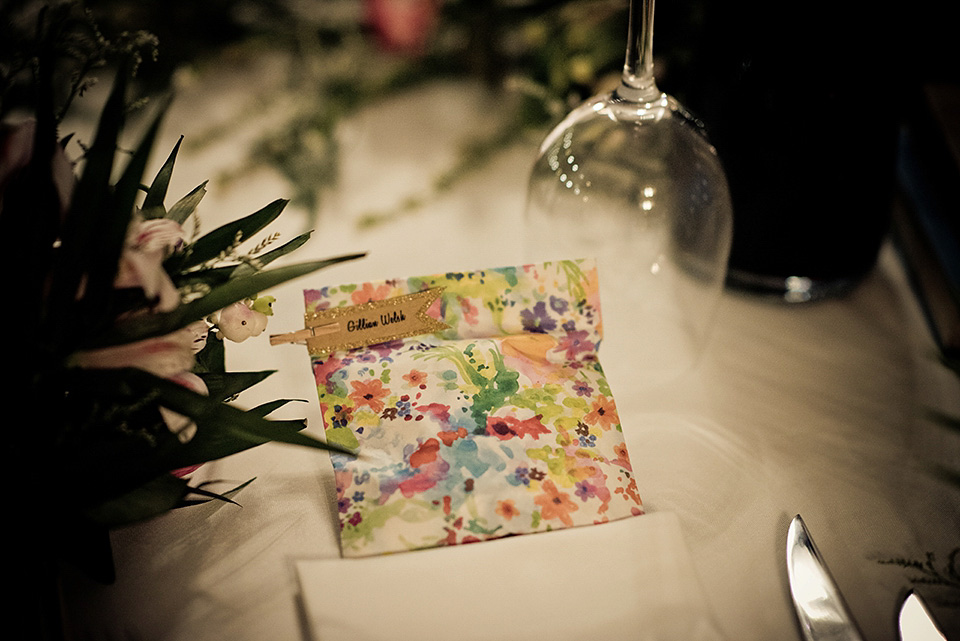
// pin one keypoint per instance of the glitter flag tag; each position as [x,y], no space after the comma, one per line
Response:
[379,321]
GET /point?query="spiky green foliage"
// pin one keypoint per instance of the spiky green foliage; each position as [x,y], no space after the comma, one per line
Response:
[90,447]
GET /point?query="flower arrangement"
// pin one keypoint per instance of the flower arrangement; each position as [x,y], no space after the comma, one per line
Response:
[123,309]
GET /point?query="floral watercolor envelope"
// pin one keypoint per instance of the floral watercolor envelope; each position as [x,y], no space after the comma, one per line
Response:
[500,424]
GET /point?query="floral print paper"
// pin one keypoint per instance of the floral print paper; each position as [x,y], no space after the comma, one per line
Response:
[502,424]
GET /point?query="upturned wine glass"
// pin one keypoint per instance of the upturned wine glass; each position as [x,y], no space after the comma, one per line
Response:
[629,178]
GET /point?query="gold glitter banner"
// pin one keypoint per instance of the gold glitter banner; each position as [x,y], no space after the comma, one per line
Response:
[378,321]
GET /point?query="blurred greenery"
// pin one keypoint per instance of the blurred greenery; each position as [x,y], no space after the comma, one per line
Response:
[548,55]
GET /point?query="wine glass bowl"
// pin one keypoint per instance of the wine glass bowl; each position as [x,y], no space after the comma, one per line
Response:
[630,178]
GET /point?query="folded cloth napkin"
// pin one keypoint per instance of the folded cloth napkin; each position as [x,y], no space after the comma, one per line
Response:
[500,424]
[631,579]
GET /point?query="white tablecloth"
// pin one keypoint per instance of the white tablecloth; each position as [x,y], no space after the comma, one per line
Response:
[814,409]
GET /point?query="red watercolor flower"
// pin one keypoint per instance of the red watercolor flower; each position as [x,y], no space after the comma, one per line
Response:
[437,411]
[507,427]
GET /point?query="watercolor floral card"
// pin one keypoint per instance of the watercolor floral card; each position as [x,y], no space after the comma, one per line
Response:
[498,421]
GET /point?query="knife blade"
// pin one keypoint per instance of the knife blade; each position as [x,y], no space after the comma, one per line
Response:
[820,608]
[916,622]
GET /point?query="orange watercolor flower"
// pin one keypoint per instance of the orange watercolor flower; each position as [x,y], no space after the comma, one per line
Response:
[507,509]
[368,293]
[370,393]
[415,377]
[426,453]
[630,492]
[623,458]
[449,437]
[604,413]
[555,504]
[620,450]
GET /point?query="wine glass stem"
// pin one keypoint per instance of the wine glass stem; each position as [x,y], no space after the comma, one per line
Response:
[637,82]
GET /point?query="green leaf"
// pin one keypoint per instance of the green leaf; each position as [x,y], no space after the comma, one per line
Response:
[272,406]
[222,429]
[208,278]
[222,496]
[248,286]
[292,424]
[142,327]
[224,385]
[183,208]
[215,276]
[153,202]
[107,245]
[198,490]
[111,436]
[212,358]
[89,204]
[220,240]
[210,443]
[244,269]
[155,497]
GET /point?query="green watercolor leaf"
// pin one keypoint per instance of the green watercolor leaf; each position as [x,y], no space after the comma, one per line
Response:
[343,436]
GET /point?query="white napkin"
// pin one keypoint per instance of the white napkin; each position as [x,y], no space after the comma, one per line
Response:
[628,579]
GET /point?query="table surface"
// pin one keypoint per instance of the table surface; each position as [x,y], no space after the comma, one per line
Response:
[817,409]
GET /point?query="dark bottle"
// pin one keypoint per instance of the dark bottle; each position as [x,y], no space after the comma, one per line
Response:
[801,104]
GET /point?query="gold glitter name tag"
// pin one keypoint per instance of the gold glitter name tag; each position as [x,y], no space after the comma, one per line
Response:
[378,321]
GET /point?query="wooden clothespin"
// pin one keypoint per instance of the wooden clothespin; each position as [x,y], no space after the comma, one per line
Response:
[301,336]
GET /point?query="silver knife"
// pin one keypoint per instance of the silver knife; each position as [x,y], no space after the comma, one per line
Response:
[916,623]
[820,608]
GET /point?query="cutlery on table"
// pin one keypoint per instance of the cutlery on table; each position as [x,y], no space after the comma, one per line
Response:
[820,607]
[916,623]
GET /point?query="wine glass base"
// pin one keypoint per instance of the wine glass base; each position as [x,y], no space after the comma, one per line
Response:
[790,289]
